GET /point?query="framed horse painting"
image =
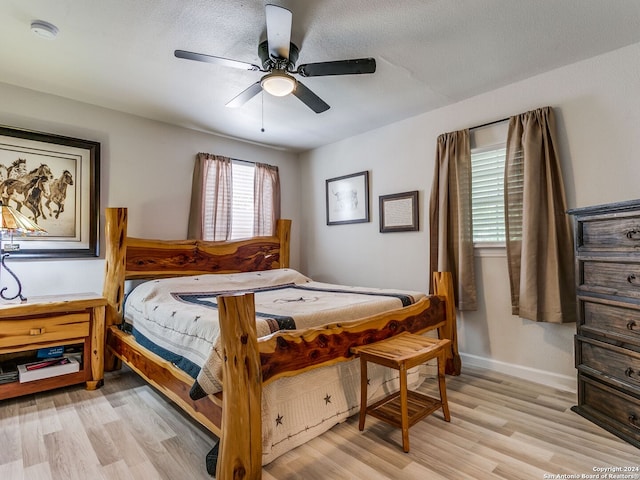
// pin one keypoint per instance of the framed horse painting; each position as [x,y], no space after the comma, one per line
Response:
[55,182]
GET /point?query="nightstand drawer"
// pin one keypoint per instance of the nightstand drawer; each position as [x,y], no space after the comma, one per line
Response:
[610,360]
[29,331]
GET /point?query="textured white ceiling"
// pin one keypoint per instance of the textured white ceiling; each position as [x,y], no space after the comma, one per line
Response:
[119,54]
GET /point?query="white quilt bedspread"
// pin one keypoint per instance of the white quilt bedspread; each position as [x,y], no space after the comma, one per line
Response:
[180,315]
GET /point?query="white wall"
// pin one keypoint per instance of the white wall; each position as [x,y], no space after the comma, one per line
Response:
[146,166]
[597,105]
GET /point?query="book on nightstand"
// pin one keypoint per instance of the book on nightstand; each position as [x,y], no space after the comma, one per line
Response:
[47,368]
[50,352]
[8,372]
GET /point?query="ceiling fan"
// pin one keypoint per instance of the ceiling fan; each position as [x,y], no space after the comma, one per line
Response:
[279,57]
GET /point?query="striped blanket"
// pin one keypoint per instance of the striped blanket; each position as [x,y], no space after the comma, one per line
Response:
[178,318]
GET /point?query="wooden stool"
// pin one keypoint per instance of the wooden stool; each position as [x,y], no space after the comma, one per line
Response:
[404,408]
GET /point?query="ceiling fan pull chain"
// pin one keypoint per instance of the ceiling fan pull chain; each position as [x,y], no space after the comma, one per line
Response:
[262,101]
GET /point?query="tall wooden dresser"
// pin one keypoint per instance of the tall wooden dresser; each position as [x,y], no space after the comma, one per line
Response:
[607,342]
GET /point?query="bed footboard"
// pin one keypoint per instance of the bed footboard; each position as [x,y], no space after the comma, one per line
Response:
[253,362]
[287,353]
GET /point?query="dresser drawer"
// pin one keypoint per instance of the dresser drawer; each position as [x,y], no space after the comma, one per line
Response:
[611,278]
[610,234]
[612,361]
[29,331]
[612,408]
[607,318]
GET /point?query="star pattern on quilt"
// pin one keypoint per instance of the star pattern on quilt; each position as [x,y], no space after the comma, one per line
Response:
[279,420]
[327,399]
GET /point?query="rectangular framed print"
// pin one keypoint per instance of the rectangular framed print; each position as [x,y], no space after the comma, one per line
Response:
[348,199]
[399,212]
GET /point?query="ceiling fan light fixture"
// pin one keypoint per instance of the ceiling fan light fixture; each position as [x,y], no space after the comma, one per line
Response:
[278,84]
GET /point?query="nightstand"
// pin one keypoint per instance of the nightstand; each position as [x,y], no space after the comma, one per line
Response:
[43,322]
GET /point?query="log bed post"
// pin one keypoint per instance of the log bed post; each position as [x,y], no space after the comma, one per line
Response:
[241,441]
[283,231]
[443,285]
[115,270]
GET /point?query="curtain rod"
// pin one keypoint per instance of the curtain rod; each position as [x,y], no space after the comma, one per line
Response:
[490,123]
[242,161]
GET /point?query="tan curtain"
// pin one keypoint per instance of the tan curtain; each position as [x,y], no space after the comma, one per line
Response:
[211,198]
[539,239]
[450,234]
[266,203]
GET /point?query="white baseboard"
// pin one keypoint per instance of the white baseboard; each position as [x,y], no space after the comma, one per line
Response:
[561,382]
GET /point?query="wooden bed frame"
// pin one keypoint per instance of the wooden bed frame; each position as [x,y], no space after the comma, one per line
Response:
[235,416]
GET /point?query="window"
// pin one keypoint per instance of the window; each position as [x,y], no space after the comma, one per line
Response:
[487,195]
[233,199]
[242,202]
[488,154]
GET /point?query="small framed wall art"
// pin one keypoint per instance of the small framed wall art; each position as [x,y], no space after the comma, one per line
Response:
[348,199]
[399,212]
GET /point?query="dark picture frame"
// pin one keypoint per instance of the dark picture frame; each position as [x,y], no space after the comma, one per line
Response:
[399,212]
[69,208]
[348,199]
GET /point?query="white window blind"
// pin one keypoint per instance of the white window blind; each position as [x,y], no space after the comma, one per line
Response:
[487,194]
[242,216]
[515,182]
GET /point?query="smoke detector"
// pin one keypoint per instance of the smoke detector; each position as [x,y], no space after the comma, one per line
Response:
[44,29]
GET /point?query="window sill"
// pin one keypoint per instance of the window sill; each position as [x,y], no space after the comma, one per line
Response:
[490,249]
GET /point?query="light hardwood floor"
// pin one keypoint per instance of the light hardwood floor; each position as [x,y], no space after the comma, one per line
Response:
[501,428]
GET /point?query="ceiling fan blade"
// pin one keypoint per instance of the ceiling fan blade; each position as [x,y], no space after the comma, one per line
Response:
[339,67]
[245,96]
[278,30]
[225,62]
[310,99]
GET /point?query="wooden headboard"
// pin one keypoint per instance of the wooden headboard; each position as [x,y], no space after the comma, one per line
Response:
[129,258]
